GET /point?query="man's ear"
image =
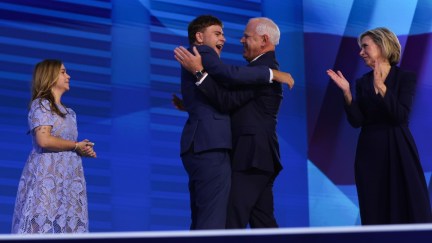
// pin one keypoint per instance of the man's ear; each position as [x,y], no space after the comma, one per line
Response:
[199,37]
[265,40]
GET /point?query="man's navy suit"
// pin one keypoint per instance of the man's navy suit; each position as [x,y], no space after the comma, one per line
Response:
[255,156]
[206,140]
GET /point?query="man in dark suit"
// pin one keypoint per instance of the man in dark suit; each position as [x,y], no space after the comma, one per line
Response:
[206,138]
[255,156]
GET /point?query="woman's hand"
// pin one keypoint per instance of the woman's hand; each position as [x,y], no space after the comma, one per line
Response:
[342,83]
[85,148]
[381,71]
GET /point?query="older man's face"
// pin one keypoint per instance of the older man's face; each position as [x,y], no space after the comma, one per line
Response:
[252,42]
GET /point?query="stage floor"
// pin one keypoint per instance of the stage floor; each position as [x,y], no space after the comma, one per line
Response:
[370,234]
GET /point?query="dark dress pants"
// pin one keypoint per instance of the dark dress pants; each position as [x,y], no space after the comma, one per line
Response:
[251,200]
[209,184]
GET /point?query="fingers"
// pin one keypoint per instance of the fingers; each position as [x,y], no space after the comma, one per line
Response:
[290,81]
[195,51]
[87,143]
[180,53]
[340,74]
[88,151]
[339,79]
[178,59]
[290,86]
[332,74]
[335,75]
[92,154]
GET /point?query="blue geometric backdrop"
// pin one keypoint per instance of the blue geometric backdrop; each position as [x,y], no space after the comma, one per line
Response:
[119,54]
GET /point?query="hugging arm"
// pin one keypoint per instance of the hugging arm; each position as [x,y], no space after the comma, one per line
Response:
[206,58]
[223,99]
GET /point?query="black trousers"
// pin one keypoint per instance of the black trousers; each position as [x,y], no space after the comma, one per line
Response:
[251,200]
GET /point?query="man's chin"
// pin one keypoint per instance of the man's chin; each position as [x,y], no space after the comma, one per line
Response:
[245,56]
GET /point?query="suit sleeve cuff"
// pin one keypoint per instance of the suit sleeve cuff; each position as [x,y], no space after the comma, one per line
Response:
[202,79]
[271,76]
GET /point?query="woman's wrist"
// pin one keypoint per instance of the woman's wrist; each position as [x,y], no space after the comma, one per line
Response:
[76,147]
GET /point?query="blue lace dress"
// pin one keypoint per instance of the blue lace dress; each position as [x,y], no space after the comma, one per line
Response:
[52,195]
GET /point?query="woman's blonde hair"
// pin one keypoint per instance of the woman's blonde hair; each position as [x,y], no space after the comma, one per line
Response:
[45,75]
[387,41]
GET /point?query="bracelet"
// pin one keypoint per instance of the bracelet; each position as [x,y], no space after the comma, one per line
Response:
[76,146]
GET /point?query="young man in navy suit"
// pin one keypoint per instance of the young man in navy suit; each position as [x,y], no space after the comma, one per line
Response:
[206,139]
[255,155]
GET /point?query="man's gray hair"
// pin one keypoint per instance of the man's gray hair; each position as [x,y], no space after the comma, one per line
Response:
[266,26]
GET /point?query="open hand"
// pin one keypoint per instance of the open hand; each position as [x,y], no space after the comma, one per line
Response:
[189,61]
[339,80]
[342,83]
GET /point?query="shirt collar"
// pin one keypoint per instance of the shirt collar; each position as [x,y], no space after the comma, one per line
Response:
[257,57]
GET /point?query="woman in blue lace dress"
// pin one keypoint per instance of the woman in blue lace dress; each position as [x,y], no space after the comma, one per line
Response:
[52,194]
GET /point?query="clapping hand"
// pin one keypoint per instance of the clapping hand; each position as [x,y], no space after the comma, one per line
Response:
[381,70]
[339,79]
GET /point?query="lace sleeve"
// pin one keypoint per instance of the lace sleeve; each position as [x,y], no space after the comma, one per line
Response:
[40,114]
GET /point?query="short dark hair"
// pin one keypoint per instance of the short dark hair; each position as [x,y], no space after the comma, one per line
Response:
[199,24]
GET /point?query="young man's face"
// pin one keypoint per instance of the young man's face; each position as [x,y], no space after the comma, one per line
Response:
[212,36]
